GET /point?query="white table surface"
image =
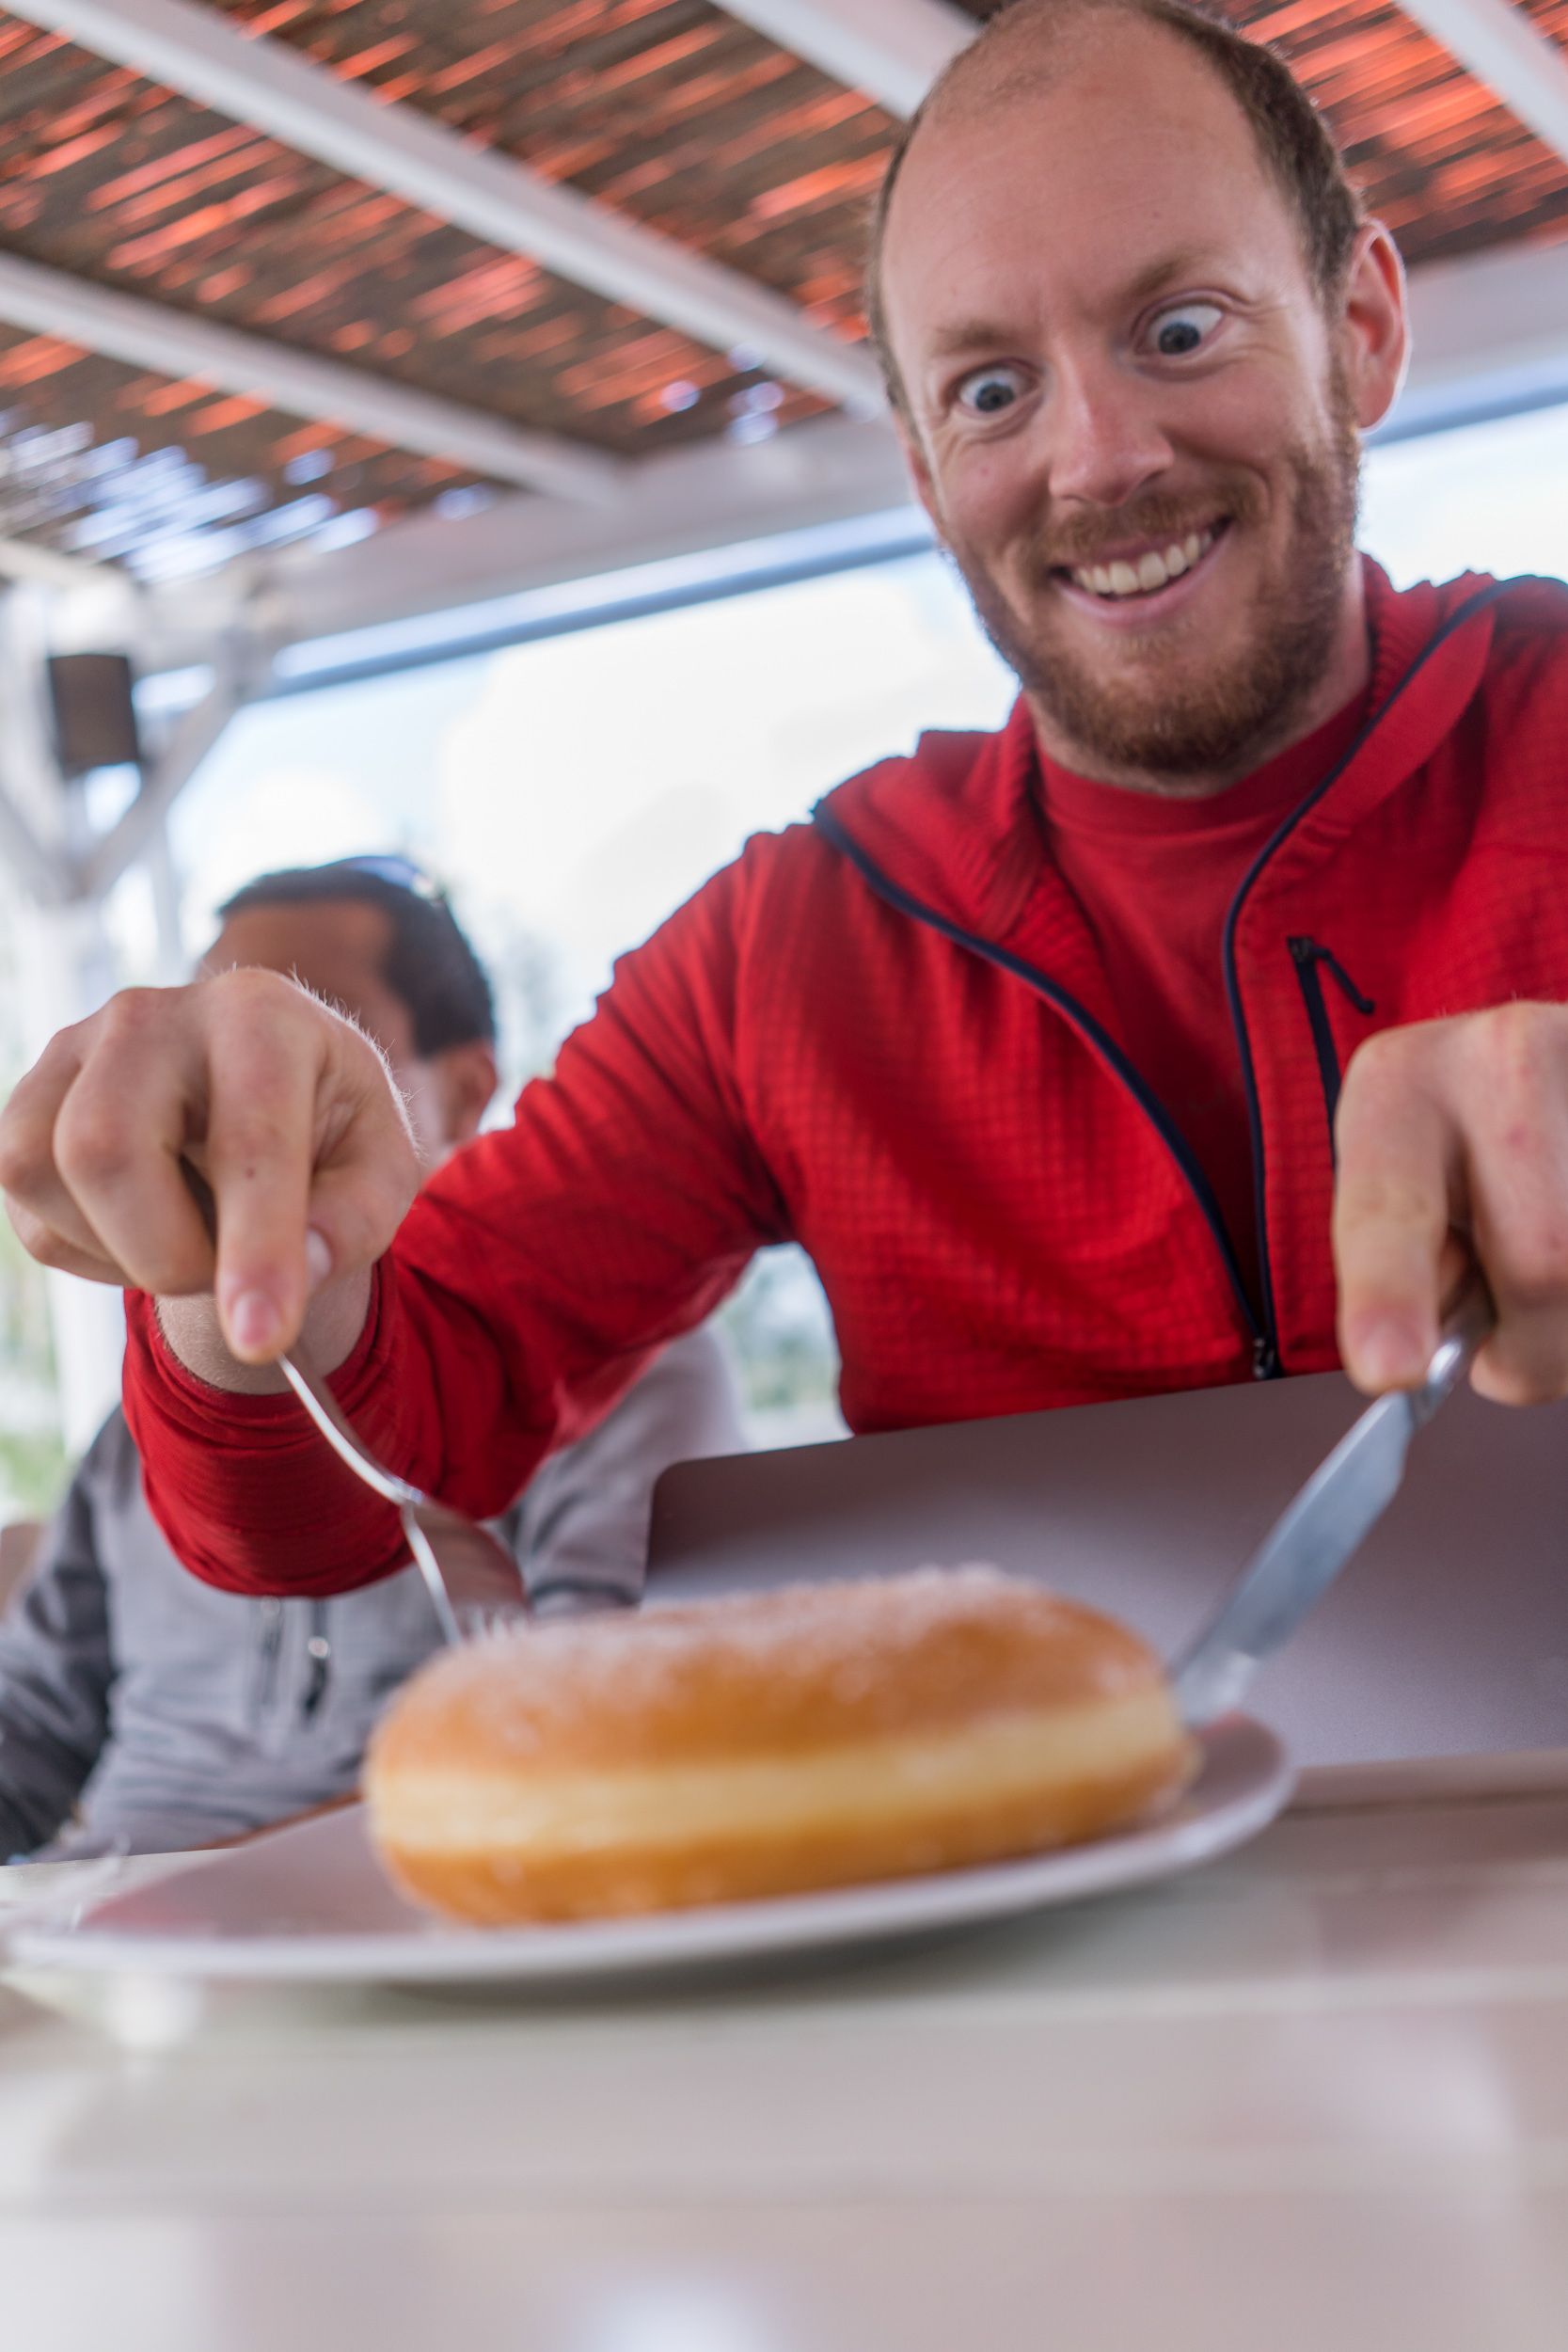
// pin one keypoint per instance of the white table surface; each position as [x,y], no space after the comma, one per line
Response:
[1312,2099]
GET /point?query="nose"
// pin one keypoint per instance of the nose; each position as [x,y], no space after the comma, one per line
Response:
[1105,440]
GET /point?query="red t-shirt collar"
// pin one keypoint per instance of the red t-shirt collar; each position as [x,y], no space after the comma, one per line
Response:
[1081,805]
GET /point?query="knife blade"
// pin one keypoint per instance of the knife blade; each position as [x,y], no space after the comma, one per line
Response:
[1324,1527]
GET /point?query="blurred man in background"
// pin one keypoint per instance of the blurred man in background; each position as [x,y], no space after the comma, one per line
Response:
[142,1711]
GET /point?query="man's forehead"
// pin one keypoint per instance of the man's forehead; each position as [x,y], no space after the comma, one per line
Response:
[1125,171]
[1128,93]
[337,946]
[345,930]
[1049,58]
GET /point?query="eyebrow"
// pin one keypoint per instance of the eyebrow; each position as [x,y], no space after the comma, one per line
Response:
[1191,262]
[982,334]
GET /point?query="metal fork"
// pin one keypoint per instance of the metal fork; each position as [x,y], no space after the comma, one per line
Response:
[471,1577]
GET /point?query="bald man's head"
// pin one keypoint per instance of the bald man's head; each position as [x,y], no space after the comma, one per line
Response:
[1034,45]
[1135,329]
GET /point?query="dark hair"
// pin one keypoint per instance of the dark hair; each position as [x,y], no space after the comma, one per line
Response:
[429,966]
[1295,142]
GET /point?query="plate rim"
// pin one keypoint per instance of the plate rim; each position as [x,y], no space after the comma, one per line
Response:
[655,1942]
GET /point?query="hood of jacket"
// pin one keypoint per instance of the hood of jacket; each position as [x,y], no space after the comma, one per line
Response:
[958,825]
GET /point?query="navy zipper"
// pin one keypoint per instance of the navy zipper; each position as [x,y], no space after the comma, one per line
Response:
[1311,961]
[269,1636]
[1088,1027]
[1472,605]
[1263,1327]
[318,1649]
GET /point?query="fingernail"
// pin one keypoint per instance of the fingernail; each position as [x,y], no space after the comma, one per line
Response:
[252,1323]
[318,1260]
[1387,1354]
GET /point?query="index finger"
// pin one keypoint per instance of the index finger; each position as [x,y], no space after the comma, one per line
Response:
[1396,1199]
[311,1158]
[257,1156]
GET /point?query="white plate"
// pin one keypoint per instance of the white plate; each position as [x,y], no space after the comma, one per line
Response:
[309,1903]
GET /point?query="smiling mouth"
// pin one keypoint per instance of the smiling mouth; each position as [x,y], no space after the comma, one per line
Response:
[1146,574]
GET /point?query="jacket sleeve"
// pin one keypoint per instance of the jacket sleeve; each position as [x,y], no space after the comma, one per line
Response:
[583,1517]
[55,1669]
[532,1279]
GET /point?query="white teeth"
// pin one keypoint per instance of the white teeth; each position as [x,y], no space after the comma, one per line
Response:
[1150,572]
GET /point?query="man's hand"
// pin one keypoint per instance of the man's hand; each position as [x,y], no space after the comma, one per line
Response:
[1453,1144]
[286,1109]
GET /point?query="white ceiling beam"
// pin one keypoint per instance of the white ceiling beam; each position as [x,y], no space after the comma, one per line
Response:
[263,82]
[21,560]
[685,504]
[892,49]
[147,334]
[1499,45]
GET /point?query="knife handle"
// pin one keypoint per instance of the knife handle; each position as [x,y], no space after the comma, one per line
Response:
[1470,1320]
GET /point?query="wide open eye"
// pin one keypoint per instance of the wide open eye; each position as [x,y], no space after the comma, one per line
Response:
[1186,328]
[990,392]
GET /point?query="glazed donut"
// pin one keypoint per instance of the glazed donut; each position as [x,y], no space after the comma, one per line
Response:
[766,1743]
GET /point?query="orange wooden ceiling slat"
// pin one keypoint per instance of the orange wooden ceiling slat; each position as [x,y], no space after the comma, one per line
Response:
[649,62]
[219,283]
[272,20]
[859,178]
[234,409]
[38,356]
[308,439]
[183,188]
[464,70]
[71,153]
[382,53]
[140,254]
[808,119]
[159,168]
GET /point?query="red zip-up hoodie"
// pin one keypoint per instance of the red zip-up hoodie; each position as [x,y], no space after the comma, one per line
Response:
[886,1035]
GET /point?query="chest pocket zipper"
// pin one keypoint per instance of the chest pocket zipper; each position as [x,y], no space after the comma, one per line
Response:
[1311,961]
[269,1642]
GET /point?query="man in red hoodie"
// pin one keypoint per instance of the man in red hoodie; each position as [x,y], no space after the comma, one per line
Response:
[1037,1042]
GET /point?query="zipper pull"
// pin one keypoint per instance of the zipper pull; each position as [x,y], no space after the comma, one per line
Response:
[1265,1358]
[318,1649]
[1307,952]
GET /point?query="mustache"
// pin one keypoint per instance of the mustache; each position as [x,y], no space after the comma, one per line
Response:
[1072,540]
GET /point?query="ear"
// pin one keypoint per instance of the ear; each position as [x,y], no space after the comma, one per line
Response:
[1374,324]
[466,1080]
[920,471]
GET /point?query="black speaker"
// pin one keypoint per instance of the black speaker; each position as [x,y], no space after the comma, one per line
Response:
[95,714]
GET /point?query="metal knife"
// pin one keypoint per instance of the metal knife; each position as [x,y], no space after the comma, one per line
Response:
[1324,1526]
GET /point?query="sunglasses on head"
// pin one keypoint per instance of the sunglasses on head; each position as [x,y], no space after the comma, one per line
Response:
[400,872]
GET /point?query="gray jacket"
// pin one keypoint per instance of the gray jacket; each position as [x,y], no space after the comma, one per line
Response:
[143,1710]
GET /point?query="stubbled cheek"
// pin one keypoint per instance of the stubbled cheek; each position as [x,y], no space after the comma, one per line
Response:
[996,521]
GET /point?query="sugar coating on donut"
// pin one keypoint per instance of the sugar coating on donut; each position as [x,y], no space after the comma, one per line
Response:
[776,1670]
